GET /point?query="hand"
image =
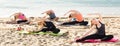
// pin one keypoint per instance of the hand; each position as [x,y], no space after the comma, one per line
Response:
[77,37]
[71,42]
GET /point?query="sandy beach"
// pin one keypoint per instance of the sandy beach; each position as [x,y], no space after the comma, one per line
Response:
[10,37]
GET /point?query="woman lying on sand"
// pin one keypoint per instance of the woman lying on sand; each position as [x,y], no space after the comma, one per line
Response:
[44,26]
[19,18]
[77,16]
[51,14]
[100,33]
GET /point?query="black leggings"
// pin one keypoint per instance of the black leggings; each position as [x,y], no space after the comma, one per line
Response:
[75,22]
[21,21]
[50,27]
[96,36]
[52,30]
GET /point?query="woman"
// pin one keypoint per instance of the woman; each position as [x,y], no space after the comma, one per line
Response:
[51,14]
[100,33]
[20,18]
[45,26]
[76,15]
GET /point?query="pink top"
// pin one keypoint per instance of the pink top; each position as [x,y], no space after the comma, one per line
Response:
[21,16]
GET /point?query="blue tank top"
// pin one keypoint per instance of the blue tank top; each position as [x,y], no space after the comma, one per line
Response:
[52,15]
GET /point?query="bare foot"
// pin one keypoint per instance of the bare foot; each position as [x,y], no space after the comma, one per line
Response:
[71,41]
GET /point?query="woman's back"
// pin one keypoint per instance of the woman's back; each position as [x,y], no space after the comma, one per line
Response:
[22,17]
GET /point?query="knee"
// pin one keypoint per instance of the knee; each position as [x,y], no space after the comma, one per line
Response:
[56,31]
[110,36]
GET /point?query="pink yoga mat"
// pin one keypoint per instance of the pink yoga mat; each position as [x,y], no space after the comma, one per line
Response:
[96,40]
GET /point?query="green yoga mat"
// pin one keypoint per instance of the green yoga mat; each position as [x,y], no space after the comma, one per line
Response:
[42,33]
[50,33]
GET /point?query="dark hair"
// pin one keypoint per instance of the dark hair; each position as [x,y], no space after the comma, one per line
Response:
[70,16]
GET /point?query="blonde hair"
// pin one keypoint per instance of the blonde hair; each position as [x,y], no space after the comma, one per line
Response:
[16,15]
[41,23]
[92,20]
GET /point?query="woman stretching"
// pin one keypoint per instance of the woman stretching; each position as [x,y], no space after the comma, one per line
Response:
[20,18]
[100,33]
[45,26]
[51,15]
[78,18]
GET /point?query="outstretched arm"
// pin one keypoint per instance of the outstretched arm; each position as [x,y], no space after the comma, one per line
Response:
[66,13]
[47,11]
[91,29]
[12,15]
[70,11]
[88,32]
[44,12]
[100,17]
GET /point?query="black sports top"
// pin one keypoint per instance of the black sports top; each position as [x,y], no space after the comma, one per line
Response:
[101,30]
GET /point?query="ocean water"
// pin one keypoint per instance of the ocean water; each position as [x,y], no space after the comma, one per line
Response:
[36,7]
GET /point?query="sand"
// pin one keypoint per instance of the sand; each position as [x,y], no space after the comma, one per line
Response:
[10,37]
